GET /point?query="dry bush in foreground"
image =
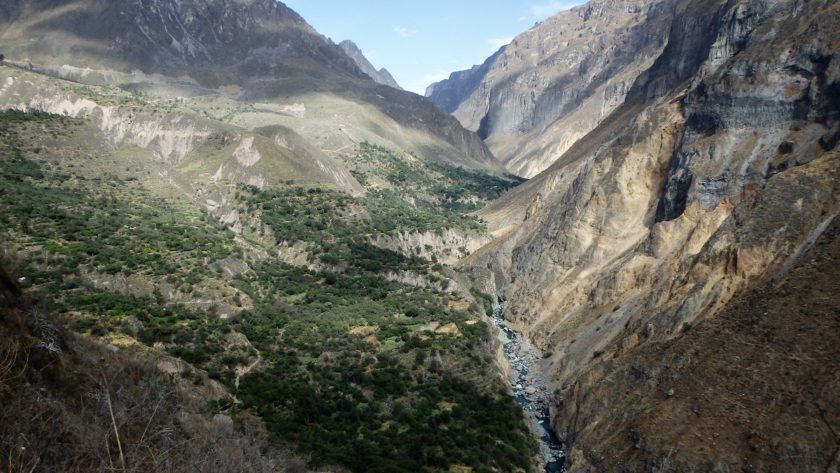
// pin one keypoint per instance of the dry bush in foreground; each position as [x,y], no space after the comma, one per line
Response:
[73,405]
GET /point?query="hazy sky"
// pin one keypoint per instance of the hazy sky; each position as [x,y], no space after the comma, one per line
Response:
[423,41]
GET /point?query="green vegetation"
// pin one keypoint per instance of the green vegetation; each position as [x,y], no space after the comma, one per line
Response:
[335,225]
[353,369]
[103,224]
[485,299]
[449,187]
[388,396]
[410,193]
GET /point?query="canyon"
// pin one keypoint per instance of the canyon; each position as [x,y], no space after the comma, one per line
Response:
[659,295]
[711,180]
[534,98]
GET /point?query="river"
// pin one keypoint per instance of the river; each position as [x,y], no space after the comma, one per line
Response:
[530,389]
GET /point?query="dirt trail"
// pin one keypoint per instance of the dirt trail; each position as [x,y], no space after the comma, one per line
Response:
[244,370]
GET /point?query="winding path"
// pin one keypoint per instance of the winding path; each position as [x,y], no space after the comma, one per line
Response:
[244,370]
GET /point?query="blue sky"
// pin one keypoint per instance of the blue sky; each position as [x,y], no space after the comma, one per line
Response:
[421,42]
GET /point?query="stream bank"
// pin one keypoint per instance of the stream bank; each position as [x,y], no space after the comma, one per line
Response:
[530,389]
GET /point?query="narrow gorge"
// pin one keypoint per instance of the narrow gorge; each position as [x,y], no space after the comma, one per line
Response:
[531,388]
[704,185]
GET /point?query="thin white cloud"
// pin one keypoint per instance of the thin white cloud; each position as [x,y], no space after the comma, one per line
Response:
[496,43]
[370,55]
[405,32]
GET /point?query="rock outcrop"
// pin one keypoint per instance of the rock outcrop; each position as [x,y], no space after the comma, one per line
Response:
[631,261]
[446,246]
[380,76]
[450,93]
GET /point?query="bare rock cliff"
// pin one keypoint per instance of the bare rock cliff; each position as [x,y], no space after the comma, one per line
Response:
[631,261]
[537,96]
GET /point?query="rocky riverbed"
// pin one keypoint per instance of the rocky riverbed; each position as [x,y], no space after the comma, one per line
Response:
[531,389]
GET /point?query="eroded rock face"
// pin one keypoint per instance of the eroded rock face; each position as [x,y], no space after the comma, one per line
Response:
[449,94]
[716,175]
[446,246]
[536,97]
[169,137]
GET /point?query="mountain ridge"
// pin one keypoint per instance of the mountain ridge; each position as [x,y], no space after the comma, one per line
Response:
[554,83]
[242,51]
[172,38]
[381,76]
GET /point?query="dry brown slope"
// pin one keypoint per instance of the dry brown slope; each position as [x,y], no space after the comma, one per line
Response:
[755,388]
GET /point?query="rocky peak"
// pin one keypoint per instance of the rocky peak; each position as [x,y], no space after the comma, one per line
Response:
[381,76]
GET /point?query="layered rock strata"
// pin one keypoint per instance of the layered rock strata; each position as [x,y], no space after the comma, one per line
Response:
[631,260]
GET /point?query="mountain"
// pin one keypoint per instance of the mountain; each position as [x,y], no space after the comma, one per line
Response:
[257,60]
[381,76]
[450,93]
[214,43]
[675,263]
[534,98]
[257,247]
